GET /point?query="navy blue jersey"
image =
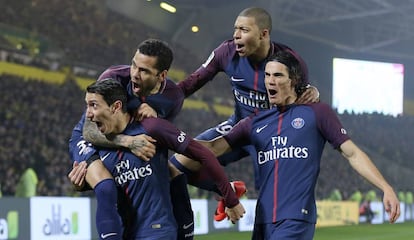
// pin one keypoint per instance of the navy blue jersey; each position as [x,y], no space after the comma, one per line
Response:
[144,194]
[249,92]
[247,80]
[167,103]
[289,146]
[79,149]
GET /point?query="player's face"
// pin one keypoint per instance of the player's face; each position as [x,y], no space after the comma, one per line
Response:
[98,111]
[247,36]
[145,78]
[278,84]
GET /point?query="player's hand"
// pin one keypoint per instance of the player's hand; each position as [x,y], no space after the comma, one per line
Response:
[77,175]
[391,205]
[235,213]
[145,111]
[142,146]
[310,95]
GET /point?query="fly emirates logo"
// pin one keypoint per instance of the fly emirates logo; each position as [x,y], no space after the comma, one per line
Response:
[281,150]
[253,99]
[125,173]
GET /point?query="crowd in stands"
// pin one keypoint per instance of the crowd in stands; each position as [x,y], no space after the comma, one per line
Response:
[89,35]
[37,119]
[86,32]
[35,127]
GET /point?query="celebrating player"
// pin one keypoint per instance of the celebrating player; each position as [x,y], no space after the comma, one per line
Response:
[288,141]
[144,200]
[243,60]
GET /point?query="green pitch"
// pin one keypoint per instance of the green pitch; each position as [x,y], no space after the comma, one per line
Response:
[400,231]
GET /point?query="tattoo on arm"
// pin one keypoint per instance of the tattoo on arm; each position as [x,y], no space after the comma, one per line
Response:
[92,134]
[136,144]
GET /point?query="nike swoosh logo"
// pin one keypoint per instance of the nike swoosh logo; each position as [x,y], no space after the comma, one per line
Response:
[105,156]
[258,130]
[103,236]
[188,225]
[237,79]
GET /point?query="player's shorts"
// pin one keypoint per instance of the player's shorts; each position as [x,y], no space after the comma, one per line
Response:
[288,229]
[220,130]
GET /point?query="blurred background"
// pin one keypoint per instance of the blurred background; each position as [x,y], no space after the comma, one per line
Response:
[51,49]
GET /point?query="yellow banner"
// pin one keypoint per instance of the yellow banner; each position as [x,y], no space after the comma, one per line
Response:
[337,213]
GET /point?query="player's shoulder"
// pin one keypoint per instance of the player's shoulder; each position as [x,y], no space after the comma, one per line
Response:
[321,108]
[115,72]
[228,42]
[322,105]
[152,124]
[172,89]
[169,83]
[227,46]
[280,46]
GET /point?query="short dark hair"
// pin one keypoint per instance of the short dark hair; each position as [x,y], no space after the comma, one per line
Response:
[160,49]
[111,91]
[261,16]
[294,68]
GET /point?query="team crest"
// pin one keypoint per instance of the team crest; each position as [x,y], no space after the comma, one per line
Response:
[298,123]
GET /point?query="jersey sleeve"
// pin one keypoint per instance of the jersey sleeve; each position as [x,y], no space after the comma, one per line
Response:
[329,125]
[215,63]
[240,133]
[201,154]
[167,135]
[79,149]
[120,73]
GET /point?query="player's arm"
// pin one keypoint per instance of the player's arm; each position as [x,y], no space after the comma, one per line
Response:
[360,161]
[140,145]
[200,153]
[169,136]
[237,137]
[218,146]
[207,71]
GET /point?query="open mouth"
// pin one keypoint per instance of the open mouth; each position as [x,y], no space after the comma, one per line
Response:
[239,47]
[99,125]
[135,87]
[272,92]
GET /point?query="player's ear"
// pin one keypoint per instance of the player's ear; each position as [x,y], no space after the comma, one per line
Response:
[163,75]
[264,33]
[116,106]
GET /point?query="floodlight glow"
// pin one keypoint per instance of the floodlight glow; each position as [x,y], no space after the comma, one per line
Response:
[195,28]
[168,7]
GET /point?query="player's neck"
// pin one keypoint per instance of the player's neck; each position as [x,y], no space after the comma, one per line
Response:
[289,100]
[160,85]
[261,53]
[122,122]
